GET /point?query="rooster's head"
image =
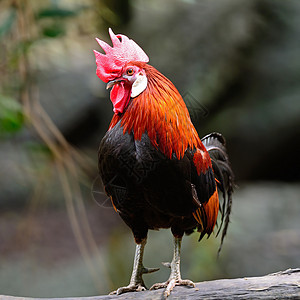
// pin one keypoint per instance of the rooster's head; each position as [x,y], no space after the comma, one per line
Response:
[120,67]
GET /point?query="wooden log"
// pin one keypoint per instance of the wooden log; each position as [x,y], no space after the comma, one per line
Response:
[280,285]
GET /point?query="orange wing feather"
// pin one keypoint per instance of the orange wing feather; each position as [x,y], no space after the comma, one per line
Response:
[211,209]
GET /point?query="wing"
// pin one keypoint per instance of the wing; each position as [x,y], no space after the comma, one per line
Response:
[204,183]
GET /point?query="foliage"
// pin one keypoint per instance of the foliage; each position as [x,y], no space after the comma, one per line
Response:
[11,116]
[23,25]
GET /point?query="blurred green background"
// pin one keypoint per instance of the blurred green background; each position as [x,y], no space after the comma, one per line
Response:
[237,63]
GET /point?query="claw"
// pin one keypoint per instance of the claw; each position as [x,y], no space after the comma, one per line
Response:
[166,264]
[149,270]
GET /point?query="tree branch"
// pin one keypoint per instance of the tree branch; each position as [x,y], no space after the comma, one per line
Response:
[280,285]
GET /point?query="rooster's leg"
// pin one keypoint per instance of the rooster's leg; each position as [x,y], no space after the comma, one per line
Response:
[136,282]
[175,277]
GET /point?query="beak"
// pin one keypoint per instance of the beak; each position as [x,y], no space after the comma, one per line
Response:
[112,83]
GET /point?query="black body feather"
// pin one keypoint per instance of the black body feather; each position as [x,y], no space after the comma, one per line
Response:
[148,190]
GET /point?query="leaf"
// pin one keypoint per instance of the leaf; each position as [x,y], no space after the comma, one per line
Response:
[54,30]
[11,115]
[58,12]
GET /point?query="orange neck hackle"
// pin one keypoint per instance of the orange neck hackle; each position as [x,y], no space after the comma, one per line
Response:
[161,112]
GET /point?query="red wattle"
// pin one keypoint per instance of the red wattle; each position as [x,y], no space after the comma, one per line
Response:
[120,96]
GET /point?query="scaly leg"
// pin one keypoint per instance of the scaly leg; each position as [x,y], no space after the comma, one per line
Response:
[175,277]
[136,282]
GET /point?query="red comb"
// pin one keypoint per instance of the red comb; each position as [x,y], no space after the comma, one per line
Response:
[123,51]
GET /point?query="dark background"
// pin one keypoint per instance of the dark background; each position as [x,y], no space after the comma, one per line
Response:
[237,65]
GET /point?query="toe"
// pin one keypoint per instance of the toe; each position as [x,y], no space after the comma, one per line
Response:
[113,293]
[170,284]
[186,282]
[129,288]
[160,285]
[169,288]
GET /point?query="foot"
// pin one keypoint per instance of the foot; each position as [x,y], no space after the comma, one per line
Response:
[137,283]
[170,284]
[129,288]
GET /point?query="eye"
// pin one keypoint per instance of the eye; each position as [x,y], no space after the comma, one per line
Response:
[130,72]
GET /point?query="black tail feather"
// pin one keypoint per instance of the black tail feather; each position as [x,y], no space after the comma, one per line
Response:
[216,147]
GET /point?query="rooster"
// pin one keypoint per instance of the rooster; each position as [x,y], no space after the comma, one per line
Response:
[154,167]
